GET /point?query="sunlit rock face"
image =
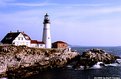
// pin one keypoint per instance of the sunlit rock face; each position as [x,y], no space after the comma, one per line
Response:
[25,61]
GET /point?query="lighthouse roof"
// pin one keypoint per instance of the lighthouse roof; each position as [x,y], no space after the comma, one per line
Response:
[46,19]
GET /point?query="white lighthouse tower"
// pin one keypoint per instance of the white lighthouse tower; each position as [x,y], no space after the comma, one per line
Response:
[46,32]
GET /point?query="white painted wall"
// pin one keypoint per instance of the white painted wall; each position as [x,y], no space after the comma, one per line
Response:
[41,45]
[20,40]
[38,45]
[46,35]
[33,45]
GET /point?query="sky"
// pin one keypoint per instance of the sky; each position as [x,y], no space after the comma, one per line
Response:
[77,22]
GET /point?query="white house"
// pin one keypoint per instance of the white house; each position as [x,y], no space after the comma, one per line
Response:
[20,38]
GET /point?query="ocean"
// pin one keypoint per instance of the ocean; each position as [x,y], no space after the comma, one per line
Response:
[108,72]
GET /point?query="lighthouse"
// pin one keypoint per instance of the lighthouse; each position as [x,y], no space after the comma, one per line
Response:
[46,32]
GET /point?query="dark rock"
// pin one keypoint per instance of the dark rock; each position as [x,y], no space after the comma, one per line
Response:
[92,56]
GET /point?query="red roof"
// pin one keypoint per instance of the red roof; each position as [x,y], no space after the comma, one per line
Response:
[40,42]
[36,42]
[60,42]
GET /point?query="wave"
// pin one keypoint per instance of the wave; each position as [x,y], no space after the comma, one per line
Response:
[113,64]
[4,78]
[100,65]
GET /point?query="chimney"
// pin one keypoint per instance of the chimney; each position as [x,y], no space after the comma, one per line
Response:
[17,30]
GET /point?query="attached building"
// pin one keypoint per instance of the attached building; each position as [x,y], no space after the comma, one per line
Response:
[59,44]
[39,44]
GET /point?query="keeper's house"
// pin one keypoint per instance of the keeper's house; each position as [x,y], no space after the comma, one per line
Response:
[20,38]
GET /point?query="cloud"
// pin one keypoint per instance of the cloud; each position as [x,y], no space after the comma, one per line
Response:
[109,9]
[32,4]
[56,4]
[46,3]
[88,5]
[5,2]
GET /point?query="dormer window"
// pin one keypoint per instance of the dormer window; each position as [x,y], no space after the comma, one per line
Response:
[9,38]
[26,37]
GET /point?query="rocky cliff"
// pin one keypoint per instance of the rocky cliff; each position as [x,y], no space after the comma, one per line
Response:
[17,62]
[22,61]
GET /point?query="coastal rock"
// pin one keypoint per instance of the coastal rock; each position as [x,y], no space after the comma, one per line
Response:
[22,61]
[93,56]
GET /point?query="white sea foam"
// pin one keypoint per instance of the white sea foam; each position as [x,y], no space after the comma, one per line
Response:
[4,78]
[69,66]
[113,64]
[97,65]
[80,68]
[118,61]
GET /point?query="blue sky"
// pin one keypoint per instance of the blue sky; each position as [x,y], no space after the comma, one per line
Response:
[77,22]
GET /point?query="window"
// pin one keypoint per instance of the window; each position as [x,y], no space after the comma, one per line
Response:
[41,45]
[18,38]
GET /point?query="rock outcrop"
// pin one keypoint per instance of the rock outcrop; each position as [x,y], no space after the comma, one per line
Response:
[92,56]
[17,62]
[22,61]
